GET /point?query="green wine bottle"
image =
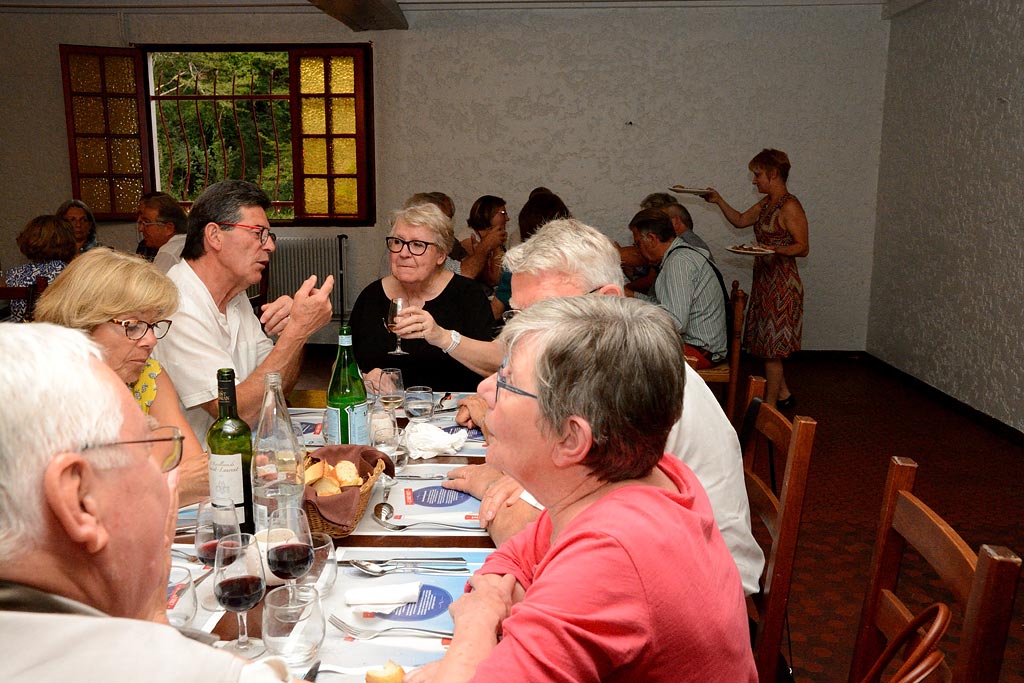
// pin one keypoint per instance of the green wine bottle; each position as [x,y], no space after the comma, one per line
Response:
[345,419]
[229,441]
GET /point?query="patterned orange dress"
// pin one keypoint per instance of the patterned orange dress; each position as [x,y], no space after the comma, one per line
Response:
[775,313]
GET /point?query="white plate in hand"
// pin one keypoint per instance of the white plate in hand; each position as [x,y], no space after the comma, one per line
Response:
[679,189]
[749,250]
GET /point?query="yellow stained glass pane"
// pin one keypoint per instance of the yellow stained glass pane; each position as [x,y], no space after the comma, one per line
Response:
[344,155]
[85,73]
[316,195]
[311,75]
[123,116]
[126,155]
[343,115]
[92,155]
[96,193]
[346,196]
[343,75]
[127,193]
[120,74]
[313,121]
[314,155]
[88,114]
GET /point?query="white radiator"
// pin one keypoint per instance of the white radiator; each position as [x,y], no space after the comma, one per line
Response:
[296,258]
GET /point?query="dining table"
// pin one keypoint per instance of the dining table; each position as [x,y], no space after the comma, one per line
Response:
[417,495]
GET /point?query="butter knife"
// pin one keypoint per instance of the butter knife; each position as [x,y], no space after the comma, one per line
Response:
[408,560]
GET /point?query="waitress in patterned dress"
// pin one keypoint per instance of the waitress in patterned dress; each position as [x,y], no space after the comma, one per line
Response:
[775,313]
[122,301]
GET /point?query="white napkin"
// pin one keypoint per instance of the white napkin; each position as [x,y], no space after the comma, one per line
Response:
[383,598]
[426,440]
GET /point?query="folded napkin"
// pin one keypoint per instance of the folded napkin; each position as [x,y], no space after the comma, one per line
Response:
[384,599]
[426,440]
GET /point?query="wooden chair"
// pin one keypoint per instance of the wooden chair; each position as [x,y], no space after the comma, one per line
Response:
[780,515]
[29,294]
[983,584]
[727,372]
[922,657]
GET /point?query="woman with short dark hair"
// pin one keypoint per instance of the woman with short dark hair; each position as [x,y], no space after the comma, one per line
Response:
[49,244]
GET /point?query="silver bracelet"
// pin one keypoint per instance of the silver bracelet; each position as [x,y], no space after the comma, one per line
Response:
[456,340]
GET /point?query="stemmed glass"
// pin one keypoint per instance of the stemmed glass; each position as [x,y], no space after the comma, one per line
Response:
[391,440]
[289,559]
[215,520]
[391,392]
[239,586]
[393,310]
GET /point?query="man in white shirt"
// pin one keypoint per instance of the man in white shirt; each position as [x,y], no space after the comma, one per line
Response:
[228,246]
[88,498]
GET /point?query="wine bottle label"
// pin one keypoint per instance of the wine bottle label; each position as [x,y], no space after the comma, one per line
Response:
[226,480]
[358,427]
[332,426]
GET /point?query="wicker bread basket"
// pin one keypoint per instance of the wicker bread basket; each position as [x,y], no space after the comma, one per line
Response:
[337,528]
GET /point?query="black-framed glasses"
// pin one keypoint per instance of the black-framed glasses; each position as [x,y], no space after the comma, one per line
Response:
[164,446]
[264,231]
[137,329]
[502,384]
[416,247]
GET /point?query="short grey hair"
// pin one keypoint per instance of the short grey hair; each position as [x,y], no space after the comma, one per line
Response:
[613,361]
[571,248]
[34,427]
[431,217]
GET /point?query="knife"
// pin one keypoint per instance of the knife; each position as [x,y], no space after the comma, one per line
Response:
[313,670]
[421,477]
[408,560]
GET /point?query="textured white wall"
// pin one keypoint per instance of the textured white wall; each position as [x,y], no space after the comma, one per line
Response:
[949,253]
[602,106]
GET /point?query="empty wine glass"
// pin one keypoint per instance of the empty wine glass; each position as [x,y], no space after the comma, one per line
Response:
[291,557]
[325,566]
[391,389]
[239,586]
[391,440]
[181,598]
[394,309]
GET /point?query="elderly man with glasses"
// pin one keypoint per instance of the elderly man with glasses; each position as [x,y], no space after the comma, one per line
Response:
[87,502]
[568,258]
[227,248]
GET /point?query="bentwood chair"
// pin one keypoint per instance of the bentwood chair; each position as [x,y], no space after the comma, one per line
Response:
[780,516]
[983,585]
[919,639]
[727,372]
[29,294]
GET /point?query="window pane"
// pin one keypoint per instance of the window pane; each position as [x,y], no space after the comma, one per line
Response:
[126,155]
[85,73]
[124,118]
[127,193]
[96,193]
[120,74]
[92,155]
[311,75]
[313,116]
[316,196]
[314,156]
[344,156]
[343,75]
[343,115]
[346,197]
[88,114]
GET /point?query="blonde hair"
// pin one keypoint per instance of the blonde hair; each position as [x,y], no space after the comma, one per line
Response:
[102,284]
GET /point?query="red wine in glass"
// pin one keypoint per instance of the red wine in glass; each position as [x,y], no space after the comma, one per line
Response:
[207,552]
[241,593]
[290,560]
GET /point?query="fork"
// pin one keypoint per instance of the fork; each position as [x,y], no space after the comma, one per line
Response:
[369,633]
[402,527]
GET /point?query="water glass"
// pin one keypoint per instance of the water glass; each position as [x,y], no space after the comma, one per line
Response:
[419,403]
[325,565]
[294,624]
[391,440]
[181,598]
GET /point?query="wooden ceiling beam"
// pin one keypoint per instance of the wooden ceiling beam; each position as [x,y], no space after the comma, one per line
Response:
[365,15]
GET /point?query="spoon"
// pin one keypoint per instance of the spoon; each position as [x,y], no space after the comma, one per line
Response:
[383,510]
[375,569]
[383,521]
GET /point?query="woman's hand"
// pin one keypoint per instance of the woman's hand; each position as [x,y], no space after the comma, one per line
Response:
[711,196]
[415,323]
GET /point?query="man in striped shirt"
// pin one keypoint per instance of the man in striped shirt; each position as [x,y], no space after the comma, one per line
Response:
[687,286]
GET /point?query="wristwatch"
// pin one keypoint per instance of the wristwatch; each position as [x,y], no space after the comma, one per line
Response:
[456,340]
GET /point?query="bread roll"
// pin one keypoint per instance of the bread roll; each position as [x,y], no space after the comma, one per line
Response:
[390,673]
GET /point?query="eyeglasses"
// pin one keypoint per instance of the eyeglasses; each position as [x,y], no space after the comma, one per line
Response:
[141,223]
[137,329]
[509,314]
[263,230]
[502,384]
[416,247]
[165,446]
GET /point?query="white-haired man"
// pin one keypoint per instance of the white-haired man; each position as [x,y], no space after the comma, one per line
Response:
[566,258]
[87,498]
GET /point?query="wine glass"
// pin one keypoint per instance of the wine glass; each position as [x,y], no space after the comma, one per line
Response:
[181,598]
[325,566]
[215,520]
[239,586]
[292,557]
[391,392]
[391,440]
[394,309]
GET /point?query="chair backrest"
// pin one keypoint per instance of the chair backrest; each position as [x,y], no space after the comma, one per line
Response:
[29,294]
[922,657]
[781,516]
[728,371]
[982,584]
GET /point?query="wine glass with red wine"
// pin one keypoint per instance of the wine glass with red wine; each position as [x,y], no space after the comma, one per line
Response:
[290,556]
[239,586]
[215,519]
